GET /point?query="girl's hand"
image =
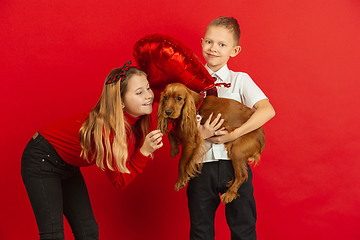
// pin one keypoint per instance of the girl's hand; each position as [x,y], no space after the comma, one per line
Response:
[208,129]
[153,141]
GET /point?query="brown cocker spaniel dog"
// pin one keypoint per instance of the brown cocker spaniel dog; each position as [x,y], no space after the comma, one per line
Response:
[178,106]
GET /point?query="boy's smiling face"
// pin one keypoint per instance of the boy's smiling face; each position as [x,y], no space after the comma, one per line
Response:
[218,45]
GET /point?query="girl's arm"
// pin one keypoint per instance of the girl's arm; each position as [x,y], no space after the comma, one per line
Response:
[135,164]
[137,161]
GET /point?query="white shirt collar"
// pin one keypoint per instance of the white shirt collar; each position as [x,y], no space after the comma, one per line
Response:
[222,74]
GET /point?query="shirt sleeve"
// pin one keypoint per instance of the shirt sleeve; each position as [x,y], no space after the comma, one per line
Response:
[135,164]
[250,92]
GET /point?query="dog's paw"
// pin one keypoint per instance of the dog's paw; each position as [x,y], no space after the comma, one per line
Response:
[229,197]
[174,152]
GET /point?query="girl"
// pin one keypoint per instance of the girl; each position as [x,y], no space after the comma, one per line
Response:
[115,136]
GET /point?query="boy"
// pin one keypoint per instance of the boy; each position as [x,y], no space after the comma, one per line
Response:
[220,42]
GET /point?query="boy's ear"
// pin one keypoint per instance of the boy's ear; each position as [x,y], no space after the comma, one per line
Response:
[201,40]
[236,51]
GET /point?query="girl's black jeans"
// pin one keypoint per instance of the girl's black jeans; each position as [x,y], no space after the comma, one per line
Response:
[56,188]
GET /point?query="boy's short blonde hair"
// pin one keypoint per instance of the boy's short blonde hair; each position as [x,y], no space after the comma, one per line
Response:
[229,23]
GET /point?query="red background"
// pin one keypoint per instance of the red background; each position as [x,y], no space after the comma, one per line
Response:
[304,54]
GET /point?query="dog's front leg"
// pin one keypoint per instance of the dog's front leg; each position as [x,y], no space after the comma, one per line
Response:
[174,143]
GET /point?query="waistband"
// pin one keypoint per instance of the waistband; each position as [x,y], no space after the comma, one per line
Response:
[37,138]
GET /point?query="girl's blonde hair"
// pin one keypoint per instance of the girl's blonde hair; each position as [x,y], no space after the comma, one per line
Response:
[103,134]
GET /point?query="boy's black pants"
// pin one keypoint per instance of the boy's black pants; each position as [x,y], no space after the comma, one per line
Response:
[203,200]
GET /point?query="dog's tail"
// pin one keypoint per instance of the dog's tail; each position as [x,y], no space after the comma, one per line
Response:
[253,160]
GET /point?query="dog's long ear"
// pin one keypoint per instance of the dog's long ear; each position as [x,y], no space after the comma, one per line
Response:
[162,122]
[188,123]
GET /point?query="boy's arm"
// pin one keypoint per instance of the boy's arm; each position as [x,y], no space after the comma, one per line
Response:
[263,113]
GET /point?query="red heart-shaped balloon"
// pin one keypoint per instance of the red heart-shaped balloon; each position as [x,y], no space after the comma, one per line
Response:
[166,60]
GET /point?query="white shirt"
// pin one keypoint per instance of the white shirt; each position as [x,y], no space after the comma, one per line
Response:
[242,89]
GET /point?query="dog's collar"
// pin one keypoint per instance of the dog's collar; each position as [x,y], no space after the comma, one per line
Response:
[203,95]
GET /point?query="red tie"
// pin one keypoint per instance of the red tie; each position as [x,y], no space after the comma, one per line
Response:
[211,91]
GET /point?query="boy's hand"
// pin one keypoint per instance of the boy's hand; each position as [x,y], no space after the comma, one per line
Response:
[222,136]
[208,129]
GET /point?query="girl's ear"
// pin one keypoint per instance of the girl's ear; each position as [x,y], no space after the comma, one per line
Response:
[236,51]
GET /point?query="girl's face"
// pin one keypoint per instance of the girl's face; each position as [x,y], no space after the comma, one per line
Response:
[138,98]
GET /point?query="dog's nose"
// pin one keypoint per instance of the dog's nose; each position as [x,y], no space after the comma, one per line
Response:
[168,112]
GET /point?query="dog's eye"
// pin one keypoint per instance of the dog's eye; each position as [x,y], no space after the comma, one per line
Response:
[179,99]
[165,98]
